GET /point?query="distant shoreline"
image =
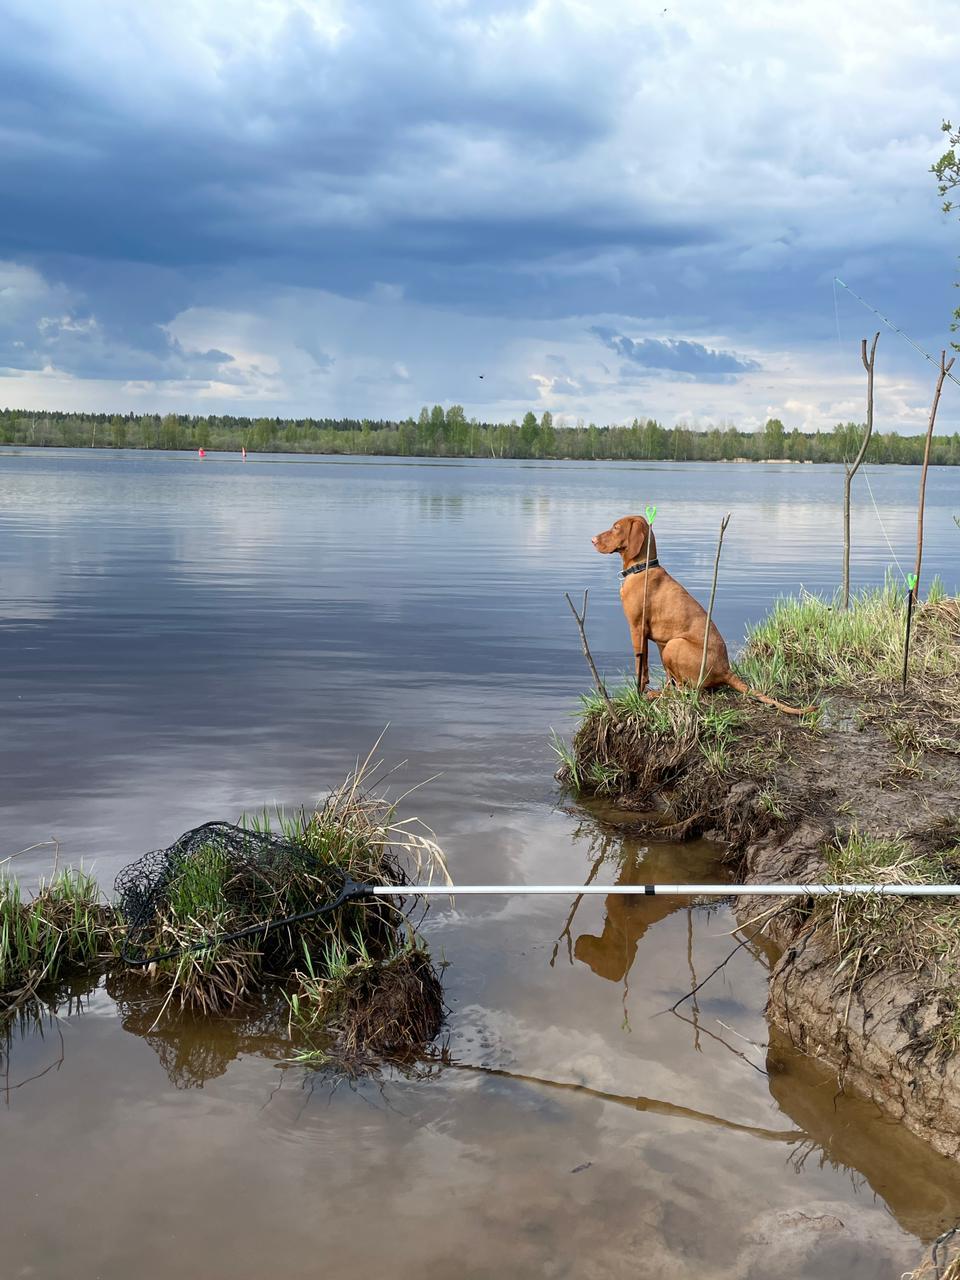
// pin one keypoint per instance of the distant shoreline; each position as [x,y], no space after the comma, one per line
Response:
[346,455]
[448,433]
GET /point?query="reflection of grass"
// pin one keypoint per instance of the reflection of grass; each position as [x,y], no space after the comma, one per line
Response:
[876,934]
[63,926]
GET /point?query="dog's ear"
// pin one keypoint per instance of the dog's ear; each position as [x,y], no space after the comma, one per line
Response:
[636,537]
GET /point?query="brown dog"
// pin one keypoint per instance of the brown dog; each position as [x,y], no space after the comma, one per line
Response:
[658,608]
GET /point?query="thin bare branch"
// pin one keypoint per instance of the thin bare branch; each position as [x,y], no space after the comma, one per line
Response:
[945,368]
[851,470]
[713,593]
[581,622]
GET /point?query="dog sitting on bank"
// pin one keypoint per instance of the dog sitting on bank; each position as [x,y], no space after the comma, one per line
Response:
[658,608]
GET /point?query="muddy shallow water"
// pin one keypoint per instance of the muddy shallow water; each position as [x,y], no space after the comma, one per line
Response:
[183,641]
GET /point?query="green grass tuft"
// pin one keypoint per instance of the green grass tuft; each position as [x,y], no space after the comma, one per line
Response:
[809,646]
[875,934]
[64,925]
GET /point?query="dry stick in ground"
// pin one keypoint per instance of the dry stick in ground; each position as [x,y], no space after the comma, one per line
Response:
[713,593]
[581,619]
[915,586]
[945,367]
[851,471]
[643,671]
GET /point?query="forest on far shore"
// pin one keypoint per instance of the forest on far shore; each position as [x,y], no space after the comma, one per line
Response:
[448,433]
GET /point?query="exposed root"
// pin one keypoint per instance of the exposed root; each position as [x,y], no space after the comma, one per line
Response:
[385,1009]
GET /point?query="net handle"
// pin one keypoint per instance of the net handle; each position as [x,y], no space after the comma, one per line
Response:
[349,890]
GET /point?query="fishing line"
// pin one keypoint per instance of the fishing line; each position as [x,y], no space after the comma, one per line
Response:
[890,325]
[866,476]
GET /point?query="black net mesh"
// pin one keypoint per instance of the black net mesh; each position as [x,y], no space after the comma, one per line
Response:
[261,882]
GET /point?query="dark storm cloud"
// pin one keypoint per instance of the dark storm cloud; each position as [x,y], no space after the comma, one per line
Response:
[303,161]
[675,355]
[489,158]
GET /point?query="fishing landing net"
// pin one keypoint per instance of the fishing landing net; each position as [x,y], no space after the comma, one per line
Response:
[228,883]
[235,909]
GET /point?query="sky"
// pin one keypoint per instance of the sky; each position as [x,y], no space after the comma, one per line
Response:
[604,208]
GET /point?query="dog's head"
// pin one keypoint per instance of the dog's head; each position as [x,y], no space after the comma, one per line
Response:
[628,535]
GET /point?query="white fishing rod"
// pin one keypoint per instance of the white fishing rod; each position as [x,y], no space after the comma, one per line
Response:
[352,890]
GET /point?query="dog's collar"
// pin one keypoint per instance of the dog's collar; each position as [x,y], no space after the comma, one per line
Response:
[640,568]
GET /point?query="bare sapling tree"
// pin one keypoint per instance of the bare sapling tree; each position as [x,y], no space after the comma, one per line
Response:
[914,580]
[852,468]
[581,620]
[945,367]
[713,595]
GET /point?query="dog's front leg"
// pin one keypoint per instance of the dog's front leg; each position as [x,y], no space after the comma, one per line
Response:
[641,663]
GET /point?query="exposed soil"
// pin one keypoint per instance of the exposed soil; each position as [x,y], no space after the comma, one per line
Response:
[785,795]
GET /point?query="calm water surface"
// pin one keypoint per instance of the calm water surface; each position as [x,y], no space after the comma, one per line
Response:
[182,641]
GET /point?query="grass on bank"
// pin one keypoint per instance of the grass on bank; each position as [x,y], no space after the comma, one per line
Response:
[361,972]
[64,926]
[807,650]
[689,747]
[809,647]
[874,934]
[392,1001]
[666,729]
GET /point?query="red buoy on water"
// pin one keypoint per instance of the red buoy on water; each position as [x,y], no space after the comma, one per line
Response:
[202,453]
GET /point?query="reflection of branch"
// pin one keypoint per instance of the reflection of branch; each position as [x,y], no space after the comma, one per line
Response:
[57,1063]
[695,1021]
[655,1105]
[705,1031]
[742,943]
[565,931]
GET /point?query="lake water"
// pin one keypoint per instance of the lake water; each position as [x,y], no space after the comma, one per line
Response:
[182,641]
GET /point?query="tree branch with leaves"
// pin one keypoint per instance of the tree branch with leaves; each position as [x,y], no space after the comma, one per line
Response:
[947,172]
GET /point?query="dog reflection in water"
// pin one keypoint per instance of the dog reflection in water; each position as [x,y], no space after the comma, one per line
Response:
[627,919]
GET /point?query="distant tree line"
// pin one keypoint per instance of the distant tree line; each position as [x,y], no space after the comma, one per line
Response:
[448,433]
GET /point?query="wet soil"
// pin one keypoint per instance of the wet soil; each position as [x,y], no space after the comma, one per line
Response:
[878,1031]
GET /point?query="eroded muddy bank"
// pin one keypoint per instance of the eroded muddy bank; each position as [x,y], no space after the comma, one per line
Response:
[870,792]
[883,1031]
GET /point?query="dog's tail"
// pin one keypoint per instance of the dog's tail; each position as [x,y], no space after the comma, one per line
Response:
[736,683]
